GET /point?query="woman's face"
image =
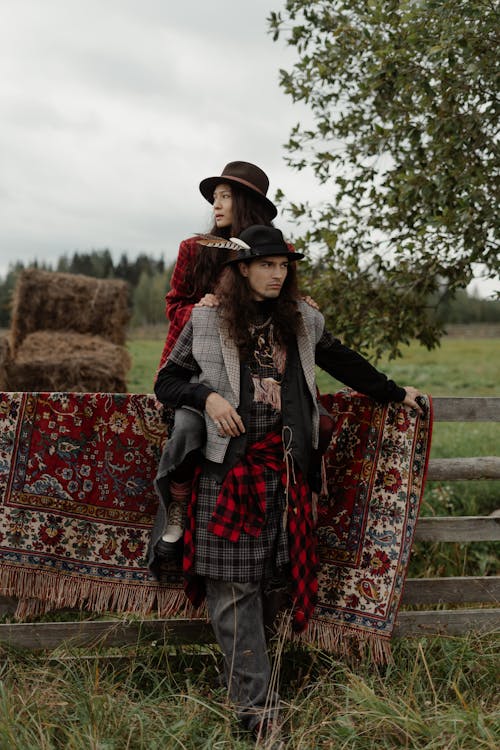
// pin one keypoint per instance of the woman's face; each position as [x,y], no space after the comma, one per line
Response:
[223,205]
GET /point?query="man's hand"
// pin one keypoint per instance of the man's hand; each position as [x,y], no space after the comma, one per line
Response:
[225,417]
[208,300]
[413,395]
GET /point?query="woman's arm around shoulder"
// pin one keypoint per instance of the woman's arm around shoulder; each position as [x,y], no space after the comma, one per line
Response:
[180,298]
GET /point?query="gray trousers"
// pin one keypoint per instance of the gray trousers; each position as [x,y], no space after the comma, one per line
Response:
[238,615]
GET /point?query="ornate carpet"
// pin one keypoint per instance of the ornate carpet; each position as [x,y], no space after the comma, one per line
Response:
[77,504]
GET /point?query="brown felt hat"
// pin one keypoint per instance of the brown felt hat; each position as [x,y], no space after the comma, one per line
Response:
[247,176]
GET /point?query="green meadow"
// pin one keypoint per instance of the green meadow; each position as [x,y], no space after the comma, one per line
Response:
[439,693]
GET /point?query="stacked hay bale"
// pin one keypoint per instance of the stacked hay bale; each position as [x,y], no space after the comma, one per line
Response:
[69,361]
[5,360]
[68,333]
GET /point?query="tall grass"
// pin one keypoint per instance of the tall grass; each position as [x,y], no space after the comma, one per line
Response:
[437,694]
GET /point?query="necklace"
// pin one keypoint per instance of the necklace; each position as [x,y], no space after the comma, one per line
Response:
[259,326]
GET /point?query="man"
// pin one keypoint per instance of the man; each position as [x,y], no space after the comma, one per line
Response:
[250,528]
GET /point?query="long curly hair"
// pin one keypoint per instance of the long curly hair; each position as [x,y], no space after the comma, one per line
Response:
[237,307]
[247,210]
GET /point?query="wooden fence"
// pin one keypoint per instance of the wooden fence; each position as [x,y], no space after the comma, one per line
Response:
[478,590]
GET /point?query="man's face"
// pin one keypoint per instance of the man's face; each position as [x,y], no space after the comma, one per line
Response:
[265,276]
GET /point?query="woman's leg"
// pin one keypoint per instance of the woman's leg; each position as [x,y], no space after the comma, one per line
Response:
[179,481]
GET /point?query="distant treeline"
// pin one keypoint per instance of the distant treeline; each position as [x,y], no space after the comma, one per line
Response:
[149,280]
[464,308]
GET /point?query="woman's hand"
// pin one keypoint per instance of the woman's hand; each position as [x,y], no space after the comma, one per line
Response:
[311,302]
[225,417]
[413,395]
[208,300]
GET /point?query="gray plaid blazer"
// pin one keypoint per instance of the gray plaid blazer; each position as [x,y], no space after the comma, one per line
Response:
[218,358]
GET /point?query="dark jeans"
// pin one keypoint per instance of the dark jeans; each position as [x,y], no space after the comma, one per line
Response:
[237,612]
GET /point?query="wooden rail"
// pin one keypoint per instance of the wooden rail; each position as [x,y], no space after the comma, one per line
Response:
[479,590]
[456,590]
[467,409]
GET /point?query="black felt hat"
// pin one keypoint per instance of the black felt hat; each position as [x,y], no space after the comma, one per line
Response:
[259,241]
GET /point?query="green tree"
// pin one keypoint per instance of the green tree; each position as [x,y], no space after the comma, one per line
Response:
[7,286]
[102,264]
[132,271]
[97,263]
[149,297]
[403,96]
[466,308]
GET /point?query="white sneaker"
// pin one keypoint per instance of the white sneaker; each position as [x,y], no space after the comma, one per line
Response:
[174,529]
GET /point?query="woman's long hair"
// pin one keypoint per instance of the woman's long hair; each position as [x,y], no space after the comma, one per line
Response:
[247,210]
[237,308]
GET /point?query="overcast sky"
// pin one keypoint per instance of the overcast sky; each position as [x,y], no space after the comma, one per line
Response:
[111,111]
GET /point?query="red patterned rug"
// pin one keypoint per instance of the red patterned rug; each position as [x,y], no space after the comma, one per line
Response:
[77,504]
[376,467]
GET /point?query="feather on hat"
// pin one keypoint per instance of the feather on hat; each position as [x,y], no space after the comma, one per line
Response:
[211,240]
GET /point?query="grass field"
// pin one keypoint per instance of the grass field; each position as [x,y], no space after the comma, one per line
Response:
[459,367]
[438,694]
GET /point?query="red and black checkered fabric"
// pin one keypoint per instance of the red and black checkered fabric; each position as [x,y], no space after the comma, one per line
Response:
[241,506]
[193,585]
[180,298]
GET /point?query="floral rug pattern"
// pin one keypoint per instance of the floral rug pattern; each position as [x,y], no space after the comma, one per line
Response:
[375,470]
[77,504]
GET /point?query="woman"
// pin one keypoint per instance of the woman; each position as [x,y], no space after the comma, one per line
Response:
[239,199]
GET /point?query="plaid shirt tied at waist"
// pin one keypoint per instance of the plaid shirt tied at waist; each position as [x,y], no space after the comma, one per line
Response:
[241,506]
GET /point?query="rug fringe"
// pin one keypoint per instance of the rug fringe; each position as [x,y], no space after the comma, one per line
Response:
[341,640]
[39,592]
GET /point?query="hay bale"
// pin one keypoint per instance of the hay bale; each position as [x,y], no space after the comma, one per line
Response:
[45,300]
[56,361]
[5,360]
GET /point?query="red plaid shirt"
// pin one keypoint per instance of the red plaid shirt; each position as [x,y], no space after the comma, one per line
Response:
[180,298]
[241,506]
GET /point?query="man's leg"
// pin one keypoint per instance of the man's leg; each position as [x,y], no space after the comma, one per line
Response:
[276,599]
[235,611]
